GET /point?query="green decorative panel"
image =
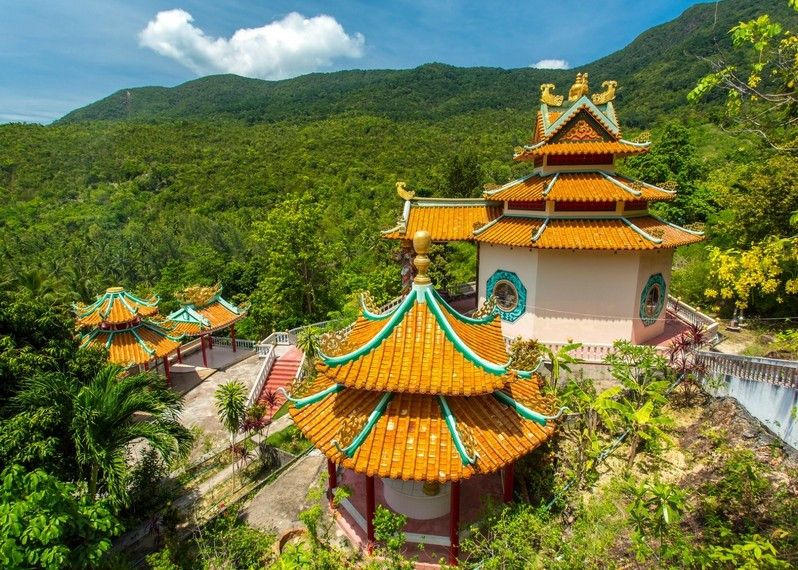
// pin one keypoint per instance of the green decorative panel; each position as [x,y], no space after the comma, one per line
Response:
[509,292]
[652,300]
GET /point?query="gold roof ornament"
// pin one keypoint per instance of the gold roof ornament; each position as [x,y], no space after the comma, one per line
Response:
[608,94]
[404,193]
[548,97]
[579,88]
[421,242]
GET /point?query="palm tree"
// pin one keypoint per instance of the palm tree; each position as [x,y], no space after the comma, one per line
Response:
[103,417]
[231,405]
[112,412]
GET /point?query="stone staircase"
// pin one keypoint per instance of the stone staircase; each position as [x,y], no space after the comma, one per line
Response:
[283,372]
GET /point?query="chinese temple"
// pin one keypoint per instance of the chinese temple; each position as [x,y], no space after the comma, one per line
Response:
[409,404]
[119,322]
[204,311]
[571,250]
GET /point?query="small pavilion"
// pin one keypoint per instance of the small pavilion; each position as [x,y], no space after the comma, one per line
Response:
[119,322]
[424,399]
[204,311]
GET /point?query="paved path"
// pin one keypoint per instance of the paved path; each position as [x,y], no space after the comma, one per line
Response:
[199,406]
[276,508]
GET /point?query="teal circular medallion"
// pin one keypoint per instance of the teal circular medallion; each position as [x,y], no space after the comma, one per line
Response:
[509,292]
[652,299]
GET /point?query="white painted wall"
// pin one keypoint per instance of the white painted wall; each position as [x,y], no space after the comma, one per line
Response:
[588,296]
[522,262]
[651,262]
[769,403]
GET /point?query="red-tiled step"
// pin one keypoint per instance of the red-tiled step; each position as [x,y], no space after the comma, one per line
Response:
[282,374]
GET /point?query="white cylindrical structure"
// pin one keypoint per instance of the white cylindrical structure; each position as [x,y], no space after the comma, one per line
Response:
[408,498]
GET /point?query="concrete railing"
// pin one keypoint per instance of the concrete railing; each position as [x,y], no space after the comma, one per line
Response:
[693,316]
[241,343]
[269,357]
[756,369]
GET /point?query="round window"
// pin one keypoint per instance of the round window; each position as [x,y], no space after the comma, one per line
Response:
[652,300]
[506,295]
[510,294]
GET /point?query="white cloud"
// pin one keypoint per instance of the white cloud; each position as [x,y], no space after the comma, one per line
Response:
[284,48]
[551,64]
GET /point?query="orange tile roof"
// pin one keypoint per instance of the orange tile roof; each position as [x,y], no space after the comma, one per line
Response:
[135,345]
[411,440]
[417,356]
[216,314]
[116,306]
[220,315]
[618,148]
[446,222]
[585,233]
[580,187]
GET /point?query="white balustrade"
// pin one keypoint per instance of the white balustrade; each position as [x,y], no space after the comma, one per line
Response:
[757,369]
[269,357]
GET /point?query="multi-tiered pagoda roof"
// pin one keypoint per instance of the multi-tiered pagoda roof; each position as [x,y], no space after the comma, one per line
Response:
[573,199]
[203,311]
[119,322]
[422,392]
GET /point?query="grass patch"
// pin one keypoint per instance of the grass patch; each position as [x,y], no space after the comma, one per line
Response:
[290,439]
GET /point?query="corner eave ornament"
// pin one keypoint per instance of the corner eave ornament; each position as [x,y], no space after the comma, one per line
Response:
[548,97]
[608,94]
[404,193]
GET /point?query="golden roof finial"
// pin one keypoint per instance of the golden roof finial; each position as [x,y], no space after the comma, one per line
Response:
[548,97]
[579,88]
[421,243]
[608,95]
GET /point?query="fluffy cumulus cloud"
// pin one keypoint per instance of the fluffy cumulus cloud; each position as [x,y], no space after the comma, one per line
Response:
[551,64]
[284,48]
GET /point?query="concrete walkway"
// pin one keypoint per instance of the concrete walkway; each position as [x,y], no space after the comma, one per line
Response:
[276,508]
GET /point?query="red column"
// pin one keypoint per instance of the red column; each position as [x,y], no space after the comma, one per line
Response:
[507,482]
[204,355]
[332,480]
[454,523]
[146,366]
[370,514]
[210,342]
[166,370]
[233,336]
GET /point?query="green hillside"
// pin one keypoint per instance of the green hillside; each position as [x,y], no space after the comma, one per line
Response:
[654,72]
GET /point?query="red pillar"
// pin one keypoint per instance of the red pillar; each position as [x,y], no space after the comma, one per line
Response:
[233,336]
[370,514]
[454,523]
[210,342]
[507,482]
[332,480]
[166,370]
[204,355]
[146,366]
[179,357]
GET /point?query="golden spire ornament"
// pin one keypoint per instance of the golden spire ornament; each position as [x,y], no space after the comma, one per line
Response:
[421,243]
[579,88]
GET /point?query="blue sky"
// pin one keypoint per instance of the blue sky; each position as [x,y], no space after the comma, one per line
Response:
[59,55]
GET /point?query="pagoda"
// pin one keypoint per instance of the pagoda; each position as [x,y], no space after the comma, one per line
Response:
[571,250]
[412,402]
[204,311]
[120,323]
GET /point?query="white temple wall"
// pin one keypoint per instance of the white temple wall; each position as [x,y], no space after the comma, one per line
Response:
[651,263]
[587,296]
[523,263]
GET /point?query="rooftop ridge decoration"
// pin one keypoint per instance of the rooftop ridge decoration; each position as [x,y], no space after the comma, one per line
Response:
[115,307]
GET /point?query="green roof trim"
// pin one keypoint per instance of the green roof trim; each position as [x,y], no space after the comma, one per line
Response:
[448,417]
[461,317]
[394,320]
[313,398]
[368,315]
[375,415]
[522,410]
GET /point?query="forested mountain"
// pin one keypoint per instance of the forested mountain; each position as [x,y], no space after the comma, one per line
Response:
[654,73]
[238,181]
